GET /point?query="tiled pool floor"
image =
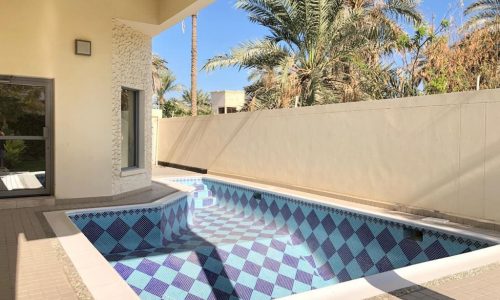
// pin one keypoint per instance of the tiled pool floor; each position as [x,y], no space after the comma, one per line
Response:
[225,256]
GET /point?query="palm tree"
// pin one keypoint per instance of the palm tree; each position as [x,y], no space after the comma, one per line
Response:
[271,88]
[167,84]
[194,62]
[202,101]
[158,65]
[163,79]
[315,44]
[483,14]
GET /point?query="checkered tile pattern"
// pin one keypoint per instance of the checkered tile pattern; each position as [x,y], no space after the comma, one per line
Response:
[118,231]
[175,218]
[227,255]
[343,245]
[249,246]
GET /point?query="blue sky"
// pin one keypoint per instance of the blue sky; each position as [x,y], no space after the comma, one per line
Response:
[221,26]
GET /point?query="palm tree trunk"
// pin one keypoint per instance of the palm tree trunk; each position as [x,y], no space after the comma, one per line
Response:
[194,61]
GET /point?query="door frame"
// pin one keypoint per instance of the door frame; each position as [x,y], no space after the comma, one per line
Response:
[48,133]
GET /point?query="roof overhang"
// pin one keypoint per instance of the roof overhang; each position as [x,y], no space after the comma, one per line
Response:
[170,13]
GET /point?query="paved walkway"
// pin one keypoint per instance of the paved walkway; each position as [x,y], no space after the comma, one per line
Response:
[34,266]
[480,283]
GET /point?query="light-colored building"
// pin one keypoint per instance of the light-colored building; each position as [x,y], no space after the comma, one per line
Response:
[75,94]
[224,102]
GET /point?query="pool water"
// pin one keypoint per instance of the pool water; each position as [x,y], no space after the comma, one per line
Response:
[230,242]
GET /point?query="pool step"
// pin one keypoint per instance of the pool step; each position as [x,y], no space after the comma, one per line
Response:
[203,196]
[199,187]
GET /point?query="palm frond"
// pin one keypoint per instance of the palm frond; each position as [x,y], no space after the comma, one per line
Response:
[158,65]
[248,55]
[312,46]
[483,14]
[403,9]
[483,5]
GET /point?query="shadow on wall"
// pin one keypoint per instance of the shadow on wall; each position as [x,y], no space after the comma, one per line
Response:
[189,137]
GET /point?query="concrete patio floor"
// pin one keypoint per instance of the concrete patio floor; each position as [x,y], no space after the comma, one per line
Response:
[480,283]
[34,266]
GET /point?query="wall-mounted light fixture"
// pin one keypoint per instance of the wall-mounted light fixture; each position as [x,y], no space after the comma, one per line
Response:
[83,47]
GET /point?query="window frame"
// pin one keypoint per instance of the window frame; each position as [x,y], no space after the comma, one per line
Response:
[137,125]
[48,133]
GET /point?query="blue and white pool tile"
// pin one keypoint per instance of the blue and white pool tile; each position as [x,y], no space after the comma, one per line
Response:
[248,246]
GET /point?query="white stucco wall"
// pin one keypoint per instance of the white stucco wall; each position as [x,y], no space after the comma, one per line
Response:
[131,68]
[437,152]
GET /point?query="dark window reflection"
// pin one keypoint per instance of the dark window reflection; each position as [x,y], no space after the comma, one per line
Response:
[22,110]
[22,161]
[129,117]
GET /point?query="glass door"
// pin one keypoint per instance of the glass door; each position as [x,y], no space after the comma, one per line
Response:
[25,136]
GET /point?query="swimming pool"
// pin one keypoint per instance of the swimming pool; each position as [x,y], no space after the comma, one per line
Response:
[229,241]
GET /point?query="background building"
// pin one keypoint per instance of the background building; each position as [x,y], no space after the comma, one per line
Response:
[225,102]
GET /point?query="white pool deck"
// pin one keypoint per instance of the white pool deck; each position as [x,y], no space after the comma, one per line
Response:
[35,266]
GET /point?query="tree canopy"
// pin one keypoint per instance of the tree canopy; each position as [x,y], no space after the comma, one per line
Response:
[326,51]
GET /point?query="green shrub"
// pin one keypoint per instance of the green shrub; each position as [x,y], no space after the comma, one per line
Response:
[13,151]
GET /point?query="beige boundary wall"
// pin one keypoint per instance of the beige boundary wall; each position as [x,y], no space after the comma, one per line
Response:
[440,153]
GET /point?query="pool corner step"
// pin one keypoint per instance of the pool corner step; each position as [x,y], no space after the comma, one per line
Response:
[203,196]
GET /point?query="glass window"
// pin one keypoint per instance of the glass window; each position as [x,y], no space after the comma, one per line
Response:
[25,145]
[231,110]
[129,114]
[222,110]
